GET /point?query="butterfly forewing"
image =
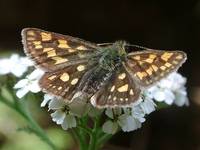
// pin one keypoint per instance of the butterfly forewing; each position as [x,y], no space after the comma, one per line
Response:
[148,67]
[120,90]
[52,51]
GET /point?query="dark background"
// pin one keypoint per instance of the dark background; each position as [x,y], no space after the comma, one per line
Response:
[160,24]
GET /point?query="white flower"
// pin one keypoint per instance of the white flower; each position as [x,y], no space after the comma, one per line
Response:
[58,116]
[148,105]
[47,98]
[138,113]
[170,90]
[29,84]
[62,114]
[128,123]
[178,81]
[161,94]
[56,104]
[131,119]
[181,97]
[26,61]
[110,112]
[65,120]
[15,65]
[79,105]
[110,127]
[69,122]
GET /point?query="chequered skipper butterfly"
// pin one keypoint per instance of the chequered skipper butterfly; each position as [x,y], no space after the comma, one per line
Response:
[110,75]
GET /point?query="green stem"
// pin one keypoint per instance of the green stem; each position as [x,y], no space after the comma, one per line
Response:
[85,129]
[103,139]
[79,138]
[40,132]
[34,126]
[94,135]
[92,143]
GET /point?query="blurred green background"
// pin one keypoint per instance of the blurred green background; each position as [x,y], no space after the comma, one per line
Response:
[166,24]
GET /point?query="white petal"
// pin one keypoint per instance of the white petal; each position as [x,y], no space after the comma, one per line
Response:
[17,67]
[165,83]
[18,73]
[36,74]
[22,92]
[178,81]
[34,87]
[148,106]
[56,104]
[47,98]
[78,95]
[169,97]
[26,61]
[138,113]
[58,116]
[109,113]
[69,122]
[20,84]
[14,58]
[152,90]
[79,108]
[12,65]
[181,98]
[179,78]
[128,123]
[110,127]
[159,95]
[148,93]
[137,102]
[5,67]
[19,70]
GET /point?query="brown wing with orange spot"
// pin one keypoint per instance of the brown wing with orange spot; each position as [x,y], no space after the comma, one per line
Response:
[52,51]
[149,66]
[119,90]
[64,82]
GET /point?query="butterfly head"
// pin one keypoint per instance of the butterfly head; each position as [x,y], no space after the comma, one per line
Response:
[113,55]
[120,47]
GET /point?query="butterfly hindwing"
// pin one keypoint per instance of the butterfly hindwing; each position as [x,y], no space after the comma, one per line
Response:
[63,82]
[149,66]
[120,90]
[52,51]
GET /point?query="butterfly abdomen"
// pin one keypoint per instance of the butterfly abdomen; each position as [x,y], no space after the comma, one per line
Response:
[94,80]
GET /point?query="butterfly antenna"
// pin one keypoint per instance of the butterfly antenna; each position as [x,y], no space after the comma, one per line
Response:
[104,44]
[138,46]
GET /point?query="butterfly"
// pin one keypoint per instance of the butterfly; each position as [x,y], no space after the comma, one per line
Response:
[109,74]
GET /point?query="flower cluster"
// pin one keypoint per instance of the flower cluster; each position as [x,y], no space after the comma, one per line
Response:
[15,65]
[30,83]
[170,90]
